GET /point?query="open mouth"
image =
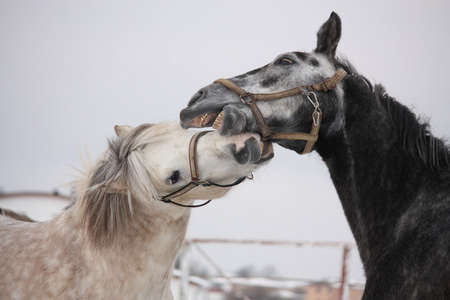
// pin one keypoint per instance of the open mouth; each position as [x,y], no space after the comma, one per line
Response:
[215,119]
[206,120]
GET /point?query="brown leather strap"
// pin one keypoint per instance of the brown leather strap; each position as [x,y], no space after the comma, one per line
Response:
[328,83]
[284,94]
[243,94]
[193,155]
[294,136]
[310,138]
[266,136]
[317,119]
[228,84]
[259,97]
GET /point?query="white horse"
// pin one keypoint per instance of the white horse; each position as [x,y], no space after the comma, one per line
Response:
[118,240]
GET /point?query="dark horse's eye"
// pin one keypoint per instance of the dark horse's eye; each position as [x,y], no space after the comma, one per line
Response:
[285,61]
[175,177]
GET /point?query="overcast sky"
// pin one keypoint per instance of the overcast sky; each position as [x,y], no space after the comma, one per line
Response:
[71,70]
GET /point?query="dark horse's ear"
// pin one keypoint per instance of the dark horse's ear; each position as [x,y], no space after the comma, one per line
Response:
[329,35]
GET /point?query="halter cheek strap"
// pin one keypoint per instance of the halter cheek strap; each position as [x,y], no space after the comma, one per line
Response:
[310,138]
[195,180]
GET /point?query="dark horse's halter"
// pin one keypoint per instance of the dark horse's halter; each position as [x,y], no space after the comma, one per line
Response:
[327,84]
[195,180]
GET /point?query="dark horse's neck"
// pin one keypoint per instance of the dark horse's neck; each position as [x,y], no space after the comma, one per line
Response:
[377,166]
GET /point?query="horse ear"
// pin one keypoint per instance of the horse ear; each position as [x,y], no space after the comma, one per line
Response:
[122,130]
[329,35]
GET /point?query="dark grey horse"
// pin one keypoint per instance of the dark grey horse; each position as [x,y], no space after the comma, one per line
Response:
[392,175]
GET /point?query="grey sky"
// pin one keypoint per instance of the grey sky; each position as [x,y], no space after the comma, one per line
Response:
[71,70]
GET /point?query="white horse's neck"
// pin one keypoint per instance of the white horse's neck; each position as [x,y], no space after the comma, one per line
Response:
[136,262]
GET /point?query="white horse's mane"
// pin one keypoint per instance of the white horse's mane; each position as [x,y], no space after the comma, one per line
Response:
[118,185]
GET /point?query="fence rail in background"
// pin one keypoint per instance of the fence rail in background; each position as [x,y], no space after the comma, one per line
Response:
[55,194]
[346,248]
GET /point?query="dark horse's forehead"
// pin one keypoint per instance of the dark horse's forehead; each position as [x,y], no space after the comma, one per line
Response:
[301,57]
[308,58]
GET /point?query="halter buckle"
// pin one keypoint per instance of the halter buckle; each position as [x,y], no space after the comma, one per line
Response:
[243,96]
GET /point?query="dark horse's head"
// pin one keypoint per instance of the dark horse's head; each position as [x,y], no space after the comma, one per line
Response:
[292,114]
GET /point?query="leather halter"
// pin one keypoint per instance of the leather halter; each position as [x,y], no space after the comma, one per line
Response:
[195,180]
[327,84]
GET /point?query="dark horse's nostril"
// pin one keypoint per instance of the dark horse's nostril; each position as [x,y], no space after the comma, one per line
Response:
[196,97]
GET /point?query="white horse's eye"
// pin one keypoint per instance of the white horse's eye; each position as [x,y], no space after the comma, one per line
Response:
[175,177]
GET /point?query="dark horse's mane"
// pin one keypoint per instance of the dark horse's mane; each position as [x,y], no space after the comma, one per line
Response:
[414,132]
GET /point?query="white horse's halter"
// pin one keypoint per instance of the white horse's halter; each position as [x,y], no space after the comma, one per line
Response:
[195,180]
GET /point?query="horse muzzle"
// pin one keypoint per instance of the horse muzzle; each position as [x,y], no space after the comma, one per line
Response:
[249,149]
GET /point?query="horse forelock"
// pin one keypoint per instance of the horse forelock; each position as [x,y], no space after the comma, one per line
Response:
[119,185]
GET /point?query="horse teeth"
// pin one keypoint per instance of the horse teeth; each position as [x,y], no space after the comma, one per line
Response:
[266,149]
[201,119]
[218,121]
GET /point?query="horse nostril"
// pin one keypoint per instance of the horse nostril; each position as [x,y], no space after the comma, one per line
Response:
[199,95]
[250,153]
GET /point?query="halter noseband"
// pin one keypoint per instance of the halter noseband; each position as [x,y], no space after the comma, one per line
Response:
[195,180]
[327,84]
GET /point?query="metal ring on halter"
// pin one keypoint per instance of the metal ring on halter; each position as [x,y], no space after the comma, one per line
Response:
[316,116]
[315,103]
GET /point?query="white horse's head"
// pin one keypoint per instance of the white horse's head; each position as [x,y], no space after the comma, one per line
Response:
[119,239]
[150,161]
